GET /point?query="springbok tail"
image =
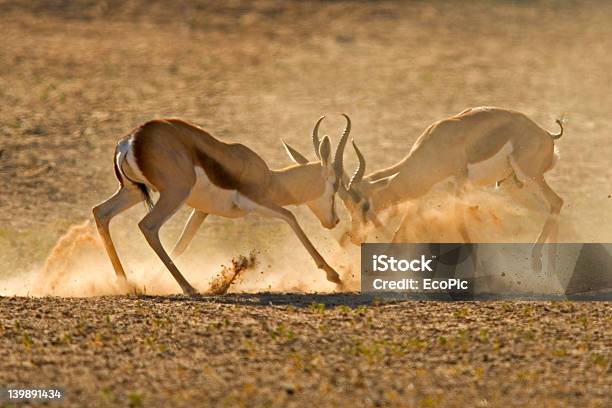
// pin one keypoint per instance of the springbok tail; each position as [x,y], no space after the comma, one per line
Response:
[556,136]
[146,195]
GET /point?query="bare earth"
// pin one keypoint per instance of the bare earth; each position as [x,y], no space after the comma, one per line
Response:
[76,76]
[308,350]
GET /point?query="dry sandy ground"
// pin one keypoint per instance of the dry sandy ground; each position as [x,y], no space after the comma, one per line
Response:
[76,76]
[308,350]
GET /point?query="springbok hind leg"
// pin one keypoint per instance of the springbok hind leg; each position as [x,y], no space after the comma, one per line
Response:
[124,198]
[196,218]
[169,202]
[550,228]
[460,182]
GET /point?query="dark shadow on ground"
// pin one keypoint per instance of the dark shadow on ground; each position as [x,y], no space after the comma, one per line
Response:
[278,299]
[355,299]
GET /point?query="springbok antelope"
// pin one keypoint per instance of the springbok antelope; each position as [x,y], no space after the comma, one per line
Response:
[187,165]
[481,145]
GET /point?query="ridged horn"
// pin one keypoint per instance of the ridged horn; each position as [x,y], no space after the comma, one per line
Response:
[316,142]
[339,158]
[360,171]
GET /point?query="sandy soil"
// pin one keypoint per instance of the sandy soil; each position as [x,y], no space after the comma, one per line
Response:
[308,350]
[76,76]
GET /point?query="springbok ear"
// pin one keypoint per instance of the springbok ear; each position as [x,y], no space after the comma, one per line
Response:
[325,151]
[294,155]
[381,183]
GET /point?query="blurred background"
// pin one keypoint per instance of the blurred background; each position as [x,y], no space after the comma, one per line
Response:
[75,76]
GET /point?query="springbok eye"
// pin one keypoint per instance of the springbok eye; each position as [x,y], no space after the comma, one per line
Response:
[365,207]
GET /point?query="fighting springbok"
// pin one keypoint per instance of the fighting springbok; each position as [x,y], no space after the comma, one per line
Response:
[481,145]
[187,165]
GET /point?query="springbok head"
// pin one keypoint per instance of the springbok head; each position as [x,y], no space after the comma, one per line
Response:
[357,197]
[330,170]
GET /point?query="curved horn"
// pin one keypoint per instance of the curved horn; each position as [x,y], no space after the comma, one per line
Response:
[315,136]
[339,158]
[360,169]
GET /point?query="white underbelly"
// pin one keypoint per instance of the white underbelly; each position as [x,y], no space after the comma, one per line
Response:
[493,169]
[207,197]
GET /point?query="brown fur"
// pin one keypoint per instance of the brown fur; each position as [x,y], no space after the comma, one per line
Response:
[228,165]
[167,152]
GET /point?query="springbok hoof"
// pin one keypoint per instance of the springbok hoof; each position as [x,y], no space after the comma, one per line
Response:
[190,291]
[334,277]
[344,240]
[125,286]
[340,287]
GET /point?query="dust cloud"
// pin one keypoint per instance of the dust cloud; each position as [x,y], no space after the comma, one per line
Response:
[504,215]
[78,265]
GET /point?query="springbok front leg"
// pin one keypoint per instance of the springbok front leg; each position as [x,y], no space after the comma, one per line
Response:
[276,211]
[169,202]
[460,183]
[399,232]
[408,222]
[126,197]
[288,216]
[551,225]
[194,222]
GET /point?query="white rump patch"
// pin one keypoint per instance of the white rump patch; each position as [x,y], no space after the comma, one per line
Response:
[122,149]
[126,161]
[130,159]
